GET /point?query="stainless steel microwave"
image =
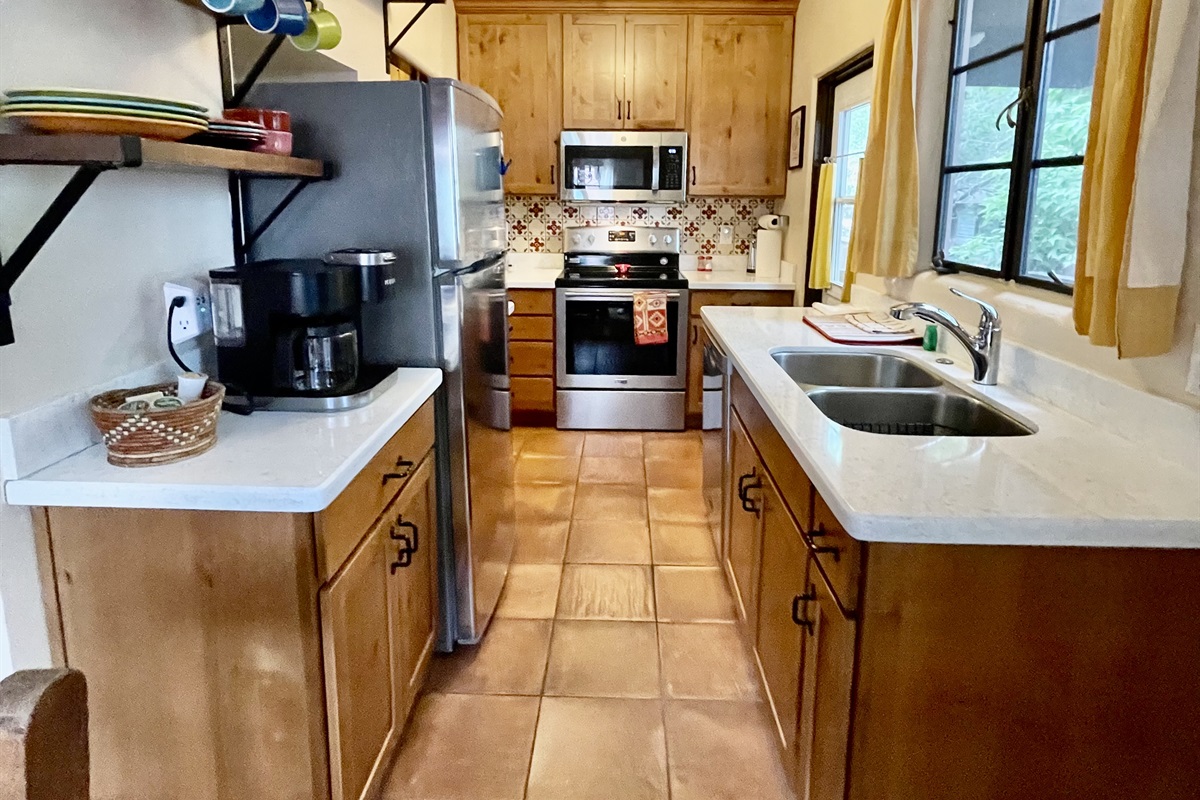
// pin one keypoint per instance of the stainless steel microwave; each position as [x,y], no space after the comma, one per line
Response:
[623,166]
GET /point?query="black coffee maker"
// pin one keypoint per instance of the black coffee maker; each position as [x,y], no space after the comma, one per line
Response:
[291,328]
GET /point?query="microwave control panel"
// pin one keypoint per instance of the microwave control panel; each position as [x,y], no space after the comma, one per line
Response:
[670,160]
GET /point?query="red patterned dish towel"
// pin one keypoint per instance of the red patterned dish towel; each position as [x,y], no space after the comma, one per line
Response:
[650,317]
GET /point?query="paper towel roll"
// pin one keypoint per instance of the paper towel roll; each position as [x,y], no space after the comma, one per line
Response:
[769,221]
[767,253]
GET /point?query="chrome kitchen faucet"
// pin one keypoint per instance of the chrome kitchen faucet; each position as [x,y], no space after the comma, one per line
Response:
[983,347]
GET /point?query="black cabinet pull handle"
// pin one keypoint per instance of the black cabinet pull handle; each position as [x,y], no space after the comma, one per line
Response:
[820,531]
[742,483]
[693,175]
[628,109]
[800,617]
[836,552]
[748,504]
[618,108]
[552,181]
[405,469]
[695,334]
[404,555]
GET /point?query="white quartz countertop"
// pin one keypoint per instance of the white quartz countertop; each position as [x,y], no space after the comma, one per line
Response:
[523,276]
[1070,483]
[269,461]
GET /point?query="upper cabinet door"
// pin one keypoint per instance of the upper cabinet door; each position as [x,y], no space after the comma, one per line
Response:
[594,72]
[656,72]
[517,59]
[739,90]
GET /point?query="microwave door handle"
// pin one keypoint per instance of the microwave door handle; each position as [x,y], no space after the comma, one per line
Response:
[654,170]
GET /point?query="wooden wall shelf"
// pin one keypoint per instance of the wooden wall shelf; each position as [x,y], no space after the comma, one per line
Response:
[120,152]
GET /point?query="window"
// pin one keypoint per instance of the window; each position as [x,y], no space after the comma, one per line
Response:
[1016,128]
[851,118]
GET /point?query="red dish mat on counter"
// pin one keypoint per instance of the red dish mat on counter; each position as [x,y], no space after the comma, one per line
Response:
[838,329]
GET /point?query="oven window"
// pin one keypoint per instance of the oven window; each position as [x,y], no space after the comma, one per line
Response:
[622,167]
[599,340]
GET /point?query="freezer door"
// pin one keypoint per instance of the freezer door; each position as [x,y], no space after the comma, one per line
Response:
[475,336]
[468,184]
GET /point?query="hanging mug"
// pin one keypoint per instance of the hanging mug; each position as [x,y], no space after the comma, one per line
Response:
[280,17]
[324,32]
[234,7]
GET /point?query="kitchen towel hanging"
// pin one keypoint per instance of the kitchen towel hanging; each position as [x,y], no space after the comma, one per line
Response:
[650,318]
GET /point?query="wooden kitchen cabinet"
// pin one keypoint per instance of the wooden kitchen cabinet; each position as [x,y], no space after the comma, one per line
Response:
[739,90]
[531,356]
[412,586]
[249,654]
[357,635]
[624,72]
[517,59]
[779,642]
[745,529]
[694,407]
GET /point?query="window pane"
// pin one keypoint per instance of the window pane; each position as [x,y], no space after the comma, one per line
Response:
[980,96]
[845,184]
[1066,102]
[989,26]
[1054,223]
[854,125]
[974,217]
[843,222]
[1064,12]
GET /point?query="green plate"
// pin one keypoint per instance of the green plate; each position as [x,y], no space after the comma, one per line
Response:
[129,105]
[59,91]
[103,110]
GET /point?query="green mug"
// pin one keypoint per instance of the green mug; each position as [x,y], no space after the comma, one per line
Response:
[324,32]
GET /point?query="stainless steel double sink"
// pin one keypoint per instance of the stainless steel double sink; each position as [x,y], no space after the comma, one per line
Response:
[888,394]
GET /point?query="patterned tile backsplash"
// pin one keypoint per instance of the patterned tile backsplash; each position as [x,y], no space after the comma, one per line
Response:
[535,224]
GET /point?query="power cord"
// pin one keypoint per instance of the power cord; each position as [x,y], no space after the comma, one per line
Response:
[242,410]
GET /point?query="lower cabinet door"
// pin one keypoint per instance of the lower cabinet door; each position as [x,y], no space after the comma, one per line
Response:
[357,641]
[695,367]
[782,595]
[744,547]
[413,586]
[822,741]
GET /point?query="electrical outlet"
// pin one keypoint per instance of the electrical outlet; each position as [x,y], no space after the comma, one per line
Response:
[194,317]
[606,213]
[726,235]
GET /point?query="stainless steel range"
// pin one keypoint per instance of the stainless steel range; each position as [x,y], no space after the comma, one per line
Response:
[604,379]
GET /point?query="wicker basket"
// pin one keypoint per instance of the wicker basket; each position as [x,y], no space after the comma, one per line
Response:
[157,436]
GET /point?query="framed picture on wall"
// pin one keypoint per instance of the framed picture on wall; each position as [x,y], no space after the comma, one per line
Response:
[796,138]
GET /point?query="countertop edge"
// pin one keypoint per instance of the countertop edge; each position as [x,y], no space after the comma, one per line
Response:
[32,492]
[1082,531]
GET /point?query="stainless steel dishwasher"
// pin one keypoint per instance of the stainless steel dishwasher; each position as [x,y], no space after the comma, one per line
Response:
[715,434]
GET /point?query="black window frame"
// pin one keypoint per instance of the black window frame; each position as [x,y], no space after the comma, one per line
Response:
[1024,164]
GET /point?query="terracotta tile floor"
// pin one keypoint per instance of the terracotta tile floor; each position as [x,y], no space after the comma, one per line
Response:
[613,669]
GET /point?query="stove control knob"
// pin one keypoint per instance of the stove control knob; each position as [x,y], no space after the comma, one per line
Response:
[653,239]
[666,240]
[591,238]
[663,261]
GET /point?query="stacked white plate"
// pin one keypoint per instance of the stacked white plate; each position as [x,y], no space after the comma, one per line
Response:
[231,133]
[61,110]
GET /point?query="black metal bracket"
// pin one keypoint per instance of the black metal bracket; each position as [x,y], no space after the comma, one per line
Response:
[239,94]
[243,248]
[408,26]
[66,200]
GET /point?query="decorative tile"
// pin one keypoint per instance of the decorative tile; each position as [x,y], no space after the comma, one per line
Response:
[535,224]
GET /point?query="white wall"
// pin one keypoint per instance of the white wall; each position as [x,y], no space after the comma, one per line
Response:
[89,307]
[432,44]
[362,47]
[828,33]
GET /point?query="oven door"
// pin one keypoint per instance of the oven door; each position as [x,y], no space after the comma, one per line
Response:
[595,348]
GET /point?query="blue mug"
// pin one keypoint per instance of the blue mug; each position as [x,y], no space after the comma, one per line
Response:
[234,7]
[288,17]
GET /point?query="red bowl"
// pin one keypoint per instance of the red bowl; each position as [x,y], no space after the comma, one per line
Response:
[277,143]
[270,119]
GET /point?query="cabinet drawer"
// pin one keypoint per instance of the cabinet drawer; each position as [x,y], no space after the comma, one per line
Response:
[838,555]
[739,297]
[531,358]
[342,526]
[532,301]
[531,329]
[533,394]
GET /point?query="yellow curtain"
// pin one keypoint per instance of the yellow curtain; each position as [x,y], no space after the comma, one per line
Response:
[1108,310]
[822,247]
[884,237]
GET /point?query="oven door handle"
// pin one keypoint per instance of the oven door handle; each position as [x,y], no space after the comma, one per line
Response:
[612,294]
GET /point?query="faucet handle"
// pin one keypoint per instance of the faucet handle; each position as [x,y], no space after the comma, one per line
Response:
[990,316]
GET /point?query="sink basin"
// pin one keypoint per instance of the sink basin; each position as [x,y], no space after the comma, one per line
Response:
[809,368]
[915,413]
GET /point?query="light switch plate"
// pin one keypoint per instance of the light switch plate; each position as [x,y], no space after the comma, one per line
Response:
[726,235]
[606,213]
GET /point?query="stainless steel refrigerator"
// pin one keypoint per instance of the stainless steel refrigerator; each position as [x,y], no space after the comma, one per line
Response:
[417,171]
